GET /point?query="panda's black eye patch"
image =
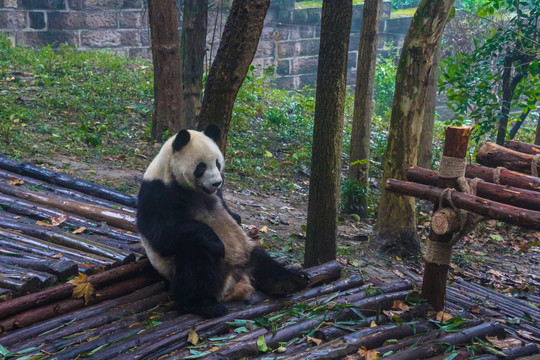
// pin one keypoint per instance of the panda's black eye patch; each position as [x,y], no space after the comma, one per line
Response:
[199,170]
[218,165]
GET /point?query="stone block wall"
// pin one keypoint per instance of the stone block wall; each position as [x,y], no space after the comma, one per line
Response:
[289,41]
[119,25]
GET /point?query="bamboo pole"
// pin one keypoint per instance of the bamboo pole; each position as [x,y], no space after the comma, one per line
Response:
[488,208]
[506,177]
[38,314]
[435,275]
[67,240]
[506,194]
[493,155]
[62,269]
[63,291]
[34,245]
[120,219]
[67,181]
[51,326]
[21,207]
[458,338]
[51,189]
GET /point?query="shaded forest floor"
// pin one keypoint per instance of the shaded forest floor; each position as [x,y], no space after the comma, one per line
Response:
[502,257]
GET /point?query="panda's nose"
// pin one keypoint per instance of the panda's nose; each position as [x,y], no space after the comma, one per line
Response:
[217,184]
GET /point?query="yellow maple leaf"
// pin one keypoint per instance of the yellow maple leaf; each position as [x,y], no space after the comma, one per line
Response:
[83,288]
[192,337]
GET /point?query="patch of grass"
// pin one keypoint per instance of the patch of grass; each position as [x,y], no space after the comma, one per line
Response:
[73,103]
[402,13]
[318,4]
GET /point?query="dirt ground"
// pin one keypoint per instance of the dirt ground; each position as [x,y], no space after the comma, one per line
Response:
[503,257]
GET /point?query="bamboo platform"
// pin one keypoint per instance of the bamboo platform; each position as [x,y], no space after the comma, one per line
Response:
[130,315]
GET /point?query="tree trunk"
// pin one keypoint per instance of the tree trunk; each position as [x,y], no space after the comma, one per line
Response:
[396,223]
[537,137]
[195,21]
[327,133]
[425,148]
[231,64]
[363,106]
[167,69]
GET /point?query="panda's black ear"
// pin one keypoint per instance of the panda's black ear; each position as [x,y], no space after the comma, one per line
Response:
[213,132]
[181,140]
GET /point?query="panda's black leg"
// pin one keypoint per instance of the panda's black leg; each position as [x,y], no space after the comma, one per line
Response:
[273,278]
[197,283]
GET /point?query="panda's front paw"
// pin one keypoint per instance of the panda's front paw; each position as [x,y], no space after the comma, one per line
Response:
[211,310]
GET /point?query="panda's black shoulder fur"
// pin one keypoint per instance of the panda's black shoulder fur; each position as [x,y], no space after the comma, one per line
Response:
[166,218]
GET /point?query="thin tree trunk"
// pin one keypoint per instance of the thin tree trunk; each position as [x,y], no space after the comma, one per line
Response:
[363,105]
[537,137]
[425,148]
[396,223]
[167,69]
[517,125]
[194,25]
[231,64]
[327,133]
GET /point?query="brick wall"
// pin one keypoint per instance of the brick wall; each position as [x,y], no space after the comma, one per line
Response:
[289,42]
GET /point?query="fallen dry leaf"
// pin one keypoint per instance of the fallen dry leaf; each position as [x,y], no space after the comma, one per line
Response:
[443,316]
[373,324]
[79,230]
[82,289]
[314,340]
[15,181]
[475,310]
[214,348]
[368,354]
[400,305]
[264,229]
[506,343]
[192,337]
[528,335]
[17,217]
[57,256]
[55,221]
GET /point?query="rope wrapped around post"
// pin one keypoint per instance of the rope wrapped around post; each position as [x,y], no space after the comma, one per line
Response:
[440,253]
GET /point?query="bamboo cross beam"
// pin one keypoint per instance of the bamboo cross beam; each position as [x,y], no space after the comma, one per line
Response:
[523,147]
[506,194]
[507,213]
[493,155]
[504,177]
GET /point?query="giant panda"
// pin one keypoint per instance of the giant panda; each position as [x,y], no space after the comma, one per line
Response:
[193,239]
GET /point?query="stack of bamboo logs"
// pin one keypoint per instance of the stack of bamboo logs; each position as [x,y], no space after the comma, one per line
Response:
[94,230]
[503,193]
[329,321]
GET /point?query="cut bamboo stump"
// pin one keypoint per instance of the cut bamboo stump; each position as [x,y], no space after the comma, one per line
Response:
[493,155]
[435,275]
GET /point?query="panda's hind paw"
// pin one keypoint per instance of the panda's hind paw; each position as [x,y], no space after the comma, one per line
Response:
[211,310]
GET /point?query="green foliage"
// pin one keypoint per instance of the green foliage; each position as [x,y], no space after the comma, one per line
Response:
[474,82]
[404,4]
[70,102]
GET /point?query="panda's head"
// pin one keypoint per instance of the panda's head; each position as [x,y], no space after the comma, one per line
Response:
[196,161]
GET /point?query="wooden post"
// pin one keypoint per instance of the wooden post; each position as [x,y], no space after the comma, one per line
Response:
[435,275]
